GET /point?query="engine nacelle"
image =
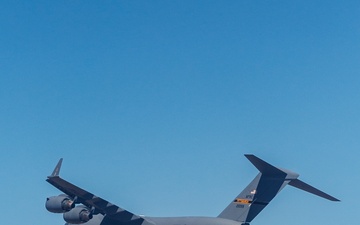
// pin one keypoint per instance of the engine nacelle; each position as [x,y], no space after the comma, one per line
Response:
[59,204]
[79,214]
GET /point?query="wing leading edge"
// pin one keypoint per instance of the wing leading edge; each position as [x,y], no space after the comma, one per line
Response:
[112,213]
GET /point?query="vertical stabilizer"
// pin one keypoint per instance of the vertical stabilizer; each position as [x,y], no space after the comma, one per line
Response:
[265,186]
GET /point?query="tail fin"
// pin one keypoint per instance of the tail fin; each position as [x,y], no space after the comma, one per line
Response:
[258,194]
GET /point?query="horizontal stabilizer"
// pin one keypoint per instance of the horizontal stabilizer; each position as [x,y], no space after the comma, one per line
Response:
[264,167]
[306,187]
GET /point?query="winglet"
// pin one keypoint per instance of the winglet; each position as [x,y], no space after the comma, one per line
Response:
[56,171]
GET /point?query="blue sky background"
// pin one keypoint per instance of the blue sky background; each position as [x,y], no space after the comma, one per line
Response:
[152,104]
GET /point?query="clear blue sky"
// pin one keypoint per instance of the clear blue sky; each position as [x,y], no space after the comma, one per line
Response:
[152,104]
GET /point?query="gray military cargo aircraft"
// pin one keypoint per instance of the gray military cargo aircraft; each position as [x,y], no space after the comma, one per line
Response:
[93,210]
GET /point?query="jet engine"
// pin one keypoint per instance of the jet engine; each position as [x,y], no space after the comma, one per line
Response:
[79,214]
[59,204]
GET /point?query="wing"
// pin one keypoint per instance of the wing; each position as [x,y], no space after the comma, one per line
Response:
[113,213]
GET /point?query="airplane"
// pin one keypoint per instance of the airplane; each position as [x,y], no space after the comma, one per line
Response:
[79,206]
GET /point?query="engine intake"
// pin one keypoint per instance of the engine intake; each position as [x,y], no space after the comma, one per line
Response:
[77,215]
[59,204]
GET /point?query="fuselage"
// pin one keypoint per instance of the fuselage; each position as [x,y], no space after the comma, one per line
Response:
[193,220]
[189,220]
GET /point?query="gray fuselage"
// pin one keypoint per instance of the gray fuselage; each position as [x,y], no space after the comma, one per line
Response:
[191,221]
